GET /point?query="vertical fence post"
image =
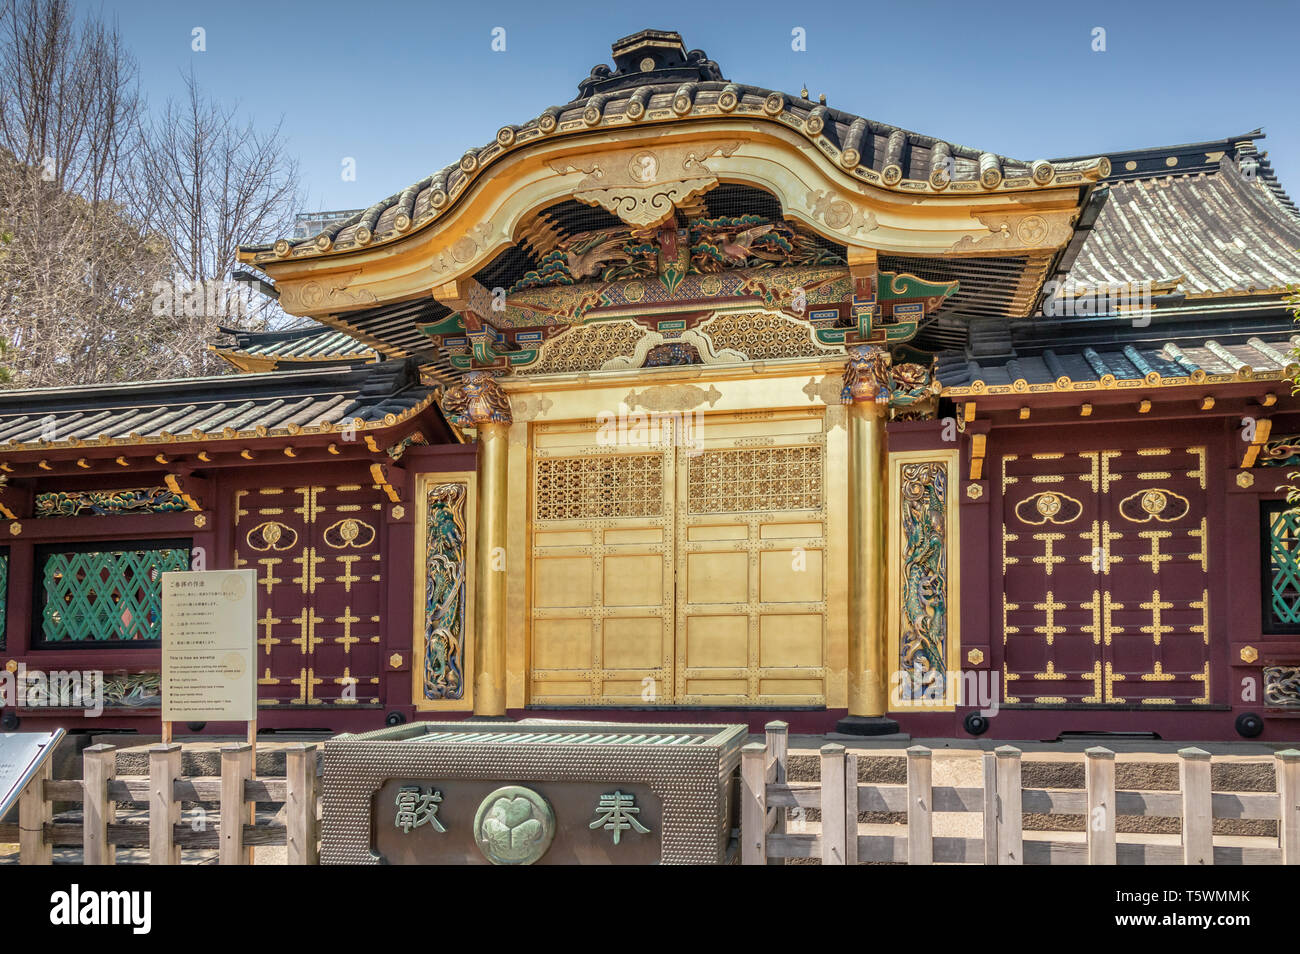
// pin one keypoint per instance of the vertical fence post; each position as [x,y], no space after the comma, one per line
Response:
[753,804]
[98,768]
[990,765]
[1287,768]
[164,809]
[778,747]
[34,813]
[920,828]
[851,809]
[1010,834]
[832,804]
[1198,822]
[1099,769]
[236,769]
[300,804]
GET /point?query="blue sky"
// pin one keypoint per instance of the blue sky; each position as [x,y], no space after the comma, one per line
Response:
[405,87]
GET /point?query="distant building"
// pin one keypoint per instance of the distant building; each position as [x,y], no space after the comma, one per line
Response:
[310,224]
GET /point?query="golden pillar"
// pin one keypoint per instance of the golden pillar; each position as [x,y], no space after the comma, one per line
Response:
[479,403]
[866,392]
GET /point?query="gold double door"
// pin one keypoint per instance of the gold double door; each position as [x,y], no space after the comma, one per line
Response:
[682,572]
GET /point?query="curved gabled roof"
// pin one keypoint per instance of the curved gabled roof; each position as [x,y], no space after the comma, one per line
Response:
[655,80]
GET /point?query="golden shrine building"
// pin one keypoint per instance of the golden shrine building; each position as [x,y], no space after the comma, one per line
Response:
[690,396]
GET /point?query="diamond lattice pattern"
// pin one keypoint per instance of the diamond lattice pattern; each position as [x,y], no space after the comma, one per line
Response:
[106,595]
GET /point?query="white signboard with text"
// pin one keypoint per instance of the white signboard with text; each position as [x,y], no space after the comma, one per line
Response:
[209,620]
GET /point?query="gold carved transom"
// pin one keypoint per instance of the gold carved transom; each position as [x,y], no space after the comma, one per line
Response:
[764,335]
[757,479]
[586,347]
[613,485]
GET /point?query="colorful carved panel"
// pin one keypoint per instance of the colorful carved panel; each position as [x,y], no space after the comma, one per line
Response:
[444,521]
[95,596]
[317,551]
[1105,577]
[922,531]
[76,503]
[4,595]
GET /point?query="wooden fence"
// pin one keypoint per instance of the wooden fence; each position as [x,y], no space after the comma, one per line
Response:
[100,791]
[767,795]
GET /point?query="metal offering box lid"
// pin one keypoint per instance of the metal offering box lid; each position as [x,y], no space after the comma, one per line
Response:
[543,732]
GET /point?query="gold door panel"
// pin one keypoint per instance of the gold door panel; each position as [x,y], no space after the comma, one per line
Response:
[601,577]
[751,587]
[690,575]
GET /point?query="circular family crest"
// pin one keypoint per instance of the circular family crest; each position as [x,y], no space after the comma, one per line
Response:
[233,587]
[514,826]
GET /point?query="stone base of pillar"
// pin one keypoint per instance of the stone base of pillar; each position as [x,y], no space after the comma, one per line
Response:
[866,725]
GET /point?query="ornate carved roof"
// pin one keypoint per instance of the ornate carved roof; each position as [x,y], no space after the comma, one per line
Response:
[655,80]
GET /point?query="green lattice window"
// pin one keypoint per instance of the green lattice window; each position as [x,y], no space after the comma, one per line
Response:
[1281,533]
[92,596]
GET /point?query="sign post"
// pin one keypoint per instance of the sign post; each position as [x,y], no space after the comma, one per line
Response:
[209,672]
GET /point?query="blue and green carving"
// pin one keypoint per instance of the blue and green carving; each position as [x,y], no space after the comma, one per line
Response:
[444,595]
[1284,567]
[923,641]
[109,595]
[4,594]
[133,690]
[100,503]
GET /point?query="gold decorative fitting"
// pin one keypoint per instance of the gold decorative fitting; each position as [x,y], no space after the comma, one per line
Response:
[247,454]
[1269,399]
[850,158]
[15,528]
[727,101]
[1245,479]
[892,174]
[681,104]
[12,665]
[1043,171]
[590,116]
[1207,403]
[1024,413]
[401,222]
[939,179]
[200,521]
[978,445]
[774,105]
[398,512]
[324,242]
[395,660]
[333,448]
[975,657]
[1249,654]
[974,491]
[123,462]
[362,235]
[635,110]
[1144,406]
[282,248]
[469,161]
[44,465]
[506,136]
[547,123]
[83,463]
[1085,410]
[437,198]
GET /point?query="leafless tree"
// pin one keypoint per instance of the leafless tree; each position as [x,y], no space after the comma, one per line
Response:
[210,181]
[116,229]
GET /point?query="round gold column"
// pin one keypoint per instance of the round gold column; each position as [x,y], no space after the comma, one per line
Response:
[479,403]
[866,393]
[490,573]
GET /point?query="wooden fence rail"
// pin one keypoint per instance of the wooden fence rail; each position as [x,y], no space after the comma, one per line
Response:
[769,802]
[233,834]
